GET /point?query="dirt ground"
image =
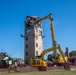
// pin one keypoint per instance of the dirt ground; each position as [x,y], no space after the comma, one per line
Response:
[34,69]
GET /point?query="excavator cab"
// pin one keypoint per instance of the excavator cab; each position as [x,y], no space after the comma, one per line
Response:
[38,63]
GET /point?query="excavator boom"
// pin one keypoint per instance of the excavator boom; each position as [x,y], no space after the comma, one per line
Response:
[46,51]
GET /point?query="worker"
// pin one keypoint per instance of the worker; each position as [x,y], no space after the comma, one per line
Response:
[5,60]
[10,63]
[15,63]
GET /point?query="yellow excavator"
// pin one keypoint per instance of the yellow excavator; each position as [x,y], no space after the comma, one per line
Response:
[39,60]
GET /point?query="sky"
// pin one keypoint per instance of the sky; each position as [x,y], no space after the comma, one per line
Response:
[14,12]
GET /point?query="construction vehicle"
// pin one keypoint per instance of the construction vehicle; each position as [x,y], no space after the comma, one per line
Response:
[39,60]
[41,63]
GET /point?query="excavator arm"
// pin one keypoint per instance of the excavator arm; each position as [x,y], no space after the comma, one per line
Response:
[54,47]
[46,17]
[61,52]
[51,49]
[52,30]
[46,51]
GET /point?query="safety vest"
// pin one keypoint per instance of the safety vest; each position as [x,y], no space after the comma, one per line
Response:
[10,62]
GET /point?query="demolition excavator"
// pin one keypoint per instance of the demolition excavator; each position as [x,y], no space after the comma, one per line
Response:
[56,59]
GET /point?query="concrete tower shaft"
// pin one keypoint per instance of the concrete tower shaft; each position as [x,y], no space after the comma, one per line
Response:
[33,38]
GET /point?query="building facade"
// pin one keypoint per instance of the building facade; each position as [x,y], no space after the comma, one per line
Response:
[32,39]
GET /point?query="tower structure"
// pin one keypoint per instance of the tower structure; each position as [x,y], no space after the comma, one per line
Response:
[33,38]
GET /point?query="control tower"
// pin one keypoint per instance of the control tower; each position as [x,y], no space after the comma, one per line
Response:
[32,39]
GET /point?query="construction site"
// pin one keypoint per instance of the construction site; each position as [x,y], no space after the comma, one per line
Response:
[37,37]
[34,59]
